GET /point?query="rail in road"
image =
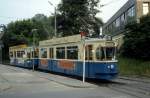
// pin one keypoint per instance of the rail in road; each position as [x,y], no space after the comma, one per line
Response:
[137,87]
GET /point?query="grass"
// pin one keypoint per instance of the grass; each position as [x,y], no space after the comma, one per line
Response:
[133,67]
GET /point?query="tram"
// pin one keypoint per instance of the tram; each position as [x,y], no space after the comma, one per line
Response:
[23,56]
[68,54]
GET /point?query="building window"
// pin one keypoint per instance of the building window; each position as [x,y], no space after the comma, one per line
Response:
[117,22]
[72,52]
[131,12]
[145,8]
[122,17]
[60,53]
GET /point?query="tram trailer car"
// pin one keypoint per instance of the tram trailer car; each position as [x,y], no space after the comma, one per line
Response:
[66,55]
[23,56]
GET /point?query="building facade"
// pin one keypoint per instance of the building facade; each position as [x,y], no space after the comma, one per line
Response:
[129,12]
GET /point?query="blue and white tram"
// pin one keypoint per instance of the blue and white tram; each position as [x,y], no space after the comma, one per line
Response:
[23,56]
[65,55]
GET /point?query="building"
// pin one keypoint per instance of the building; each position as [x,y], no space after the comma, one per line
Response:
[129,12]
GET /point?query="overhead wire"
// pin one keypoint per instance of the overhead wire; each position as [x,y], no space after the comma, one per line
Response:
[108,3]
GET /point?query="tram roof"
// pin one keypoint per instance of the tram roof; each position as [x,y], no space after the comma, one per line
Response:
[69,39]
[18,46]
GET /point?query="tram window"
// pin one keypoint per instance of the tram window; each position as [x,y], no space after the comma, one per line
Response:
[72,52]
[43,53]
[105,53]
[110,52]
[51,53]
[28,55]
[100,53]
[20,54]
[88,52]
[35,54]
[60,53]
[15,54]
[11,54]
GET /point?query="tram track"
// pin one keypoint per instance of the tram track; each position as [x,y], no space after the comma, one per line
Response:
[134,87]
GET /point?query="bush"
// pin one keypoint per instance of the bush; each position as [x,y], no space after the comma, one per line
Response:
[137,40]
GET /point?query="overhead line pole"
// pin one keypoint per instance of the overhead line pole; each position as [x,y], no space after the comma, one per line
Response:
[55,34]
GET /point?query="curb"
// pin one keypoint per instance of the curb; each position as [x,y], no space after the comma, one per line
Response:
[69,85]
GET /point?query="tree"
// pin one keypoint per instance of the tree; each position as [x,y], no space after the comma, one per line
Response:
[46,22]
[78,15]
[21,32]
[137,39]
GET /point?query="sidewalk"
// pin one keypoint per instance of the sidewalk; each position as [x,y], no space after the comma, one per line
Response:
[65,80]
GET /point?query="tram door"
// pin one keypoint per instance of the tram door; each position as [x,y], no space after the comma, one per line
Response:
[51,56]
[88,52]
[88,57]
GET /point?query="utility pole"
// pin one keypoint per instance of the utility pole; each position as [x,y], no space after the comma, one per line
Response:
[84,60]
[2,27]
[33,32]
[55,25]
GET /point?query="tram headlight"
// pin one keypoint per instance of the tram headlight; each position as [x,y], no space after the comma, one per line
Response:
[28,61]
[108,67]
[112,66]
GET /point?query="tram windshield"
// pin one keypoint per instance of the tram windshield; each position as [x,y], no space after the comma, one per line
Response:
[105,53]
[110,52]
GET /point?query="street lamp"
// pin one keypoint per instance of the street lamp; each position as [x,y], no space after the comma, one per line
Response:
[33,32]
[55,18]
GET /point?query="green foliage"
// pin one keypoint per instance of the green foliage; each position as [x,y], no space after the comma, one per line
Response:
[78,15]
[20,32]
[137,39]
[133,67]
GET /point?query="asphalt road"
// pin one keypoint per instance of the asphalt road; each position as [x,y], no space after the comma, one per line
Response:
[23,83]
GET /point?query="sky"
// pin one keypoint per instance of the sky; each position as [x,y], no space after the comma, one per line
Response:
[12,10]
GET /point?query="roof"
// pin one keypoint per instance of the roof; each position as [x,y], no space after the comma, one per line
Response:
[63,40]
[18,46]
[72,39]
